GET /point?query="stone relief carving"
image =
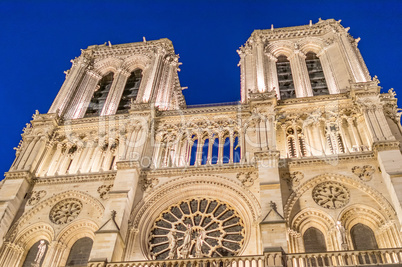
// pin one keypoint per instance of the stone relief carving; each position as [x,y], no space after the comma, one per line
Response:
[365,173]
[65,211]
[247,178]
[293,179]
[149,182]
[341,235]
[103,191]
[36,196]
[331,195]
[196,228]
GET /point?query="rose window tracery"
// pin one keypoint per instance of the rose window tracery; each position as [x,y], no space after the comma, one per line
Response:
[65,211]
[196,228]
[331,195]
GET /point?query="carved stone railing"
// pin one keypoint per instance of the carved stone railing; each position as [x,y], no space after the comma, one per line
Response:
[380,257]
[273,259]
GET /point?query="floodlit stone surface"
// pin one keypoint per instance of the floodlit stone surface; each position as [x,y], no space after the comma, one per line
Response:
[123,160]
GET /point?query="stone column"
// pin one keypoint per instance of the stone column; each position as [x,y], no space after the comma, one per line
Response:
[25,153]
[351,57]
[198,157]
[115,93]
[242,140]
[382,121]
[220,149]
[273,84]
[326,65]
[55,160]
[153,77]
[11,255]
[300,74]
[80,102]
[260,68]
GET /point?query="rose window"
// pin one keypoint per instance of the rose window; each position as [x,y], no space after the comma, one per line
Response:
[196,228]
[65,211]
[331,195]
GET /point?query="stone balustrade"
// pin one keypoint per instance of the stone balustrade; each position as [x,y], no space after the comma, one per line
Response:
[380,257]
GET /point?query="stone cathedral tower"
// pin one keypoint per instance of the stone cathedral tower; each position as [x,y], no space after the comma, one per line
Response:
[305,170]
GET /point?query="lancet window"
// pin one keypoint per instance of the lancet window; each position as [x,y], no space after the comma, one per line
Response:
[363,237]
[314,240]
[130,91]
[193,151]
[295,141]
[334,139]
[316,75]
[285,79]
[36,254]
[100,94]
[79,253]
[210,148]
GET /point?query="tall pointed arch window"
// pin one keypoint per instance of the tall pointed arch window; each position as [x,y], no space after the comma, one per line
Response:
[314,240]
[130,91]
[316,75]
[295,142]
[36,254]
[334,139]
[363,237]
[285,79]
[99,97]
[79,253]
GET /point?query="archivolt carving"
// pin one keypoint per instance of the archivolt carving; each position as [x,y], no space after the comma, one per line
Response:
[28,236]
[192,186]
[175,184]
[278,48]
[377,196]
[312,217]
[311,44]
[361,214]
[136,61]
[215,225]
[84,197]
[76,230]
[108,64]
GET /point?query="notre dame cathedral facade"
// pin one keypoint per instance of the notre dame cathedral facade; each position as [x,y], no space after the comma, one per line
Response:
[305,170]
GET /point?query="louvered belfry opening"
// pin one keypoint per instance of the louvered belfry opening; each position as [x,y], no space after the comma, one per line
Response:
[99,97]
[316,75]
[285,79]
[130,90]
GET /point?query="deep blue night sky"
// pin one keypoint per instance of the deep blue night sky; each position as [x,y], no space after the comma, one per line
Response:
[38,39]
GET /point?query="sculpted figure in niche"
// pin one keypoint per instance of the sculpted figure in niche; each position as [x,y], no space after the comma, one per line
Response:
[41,251]
[172,237]
[341,234]
[185,248]
[198,244]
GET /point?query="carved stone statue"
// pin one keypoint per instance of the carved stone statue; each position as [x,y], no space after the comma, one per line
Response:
[198,243]
[185,248]
[41,251]
[172,237]
[341,234]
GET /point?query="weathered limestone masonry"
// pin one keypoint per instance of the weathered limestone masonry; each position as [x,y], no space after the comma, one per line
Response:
[305,170]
